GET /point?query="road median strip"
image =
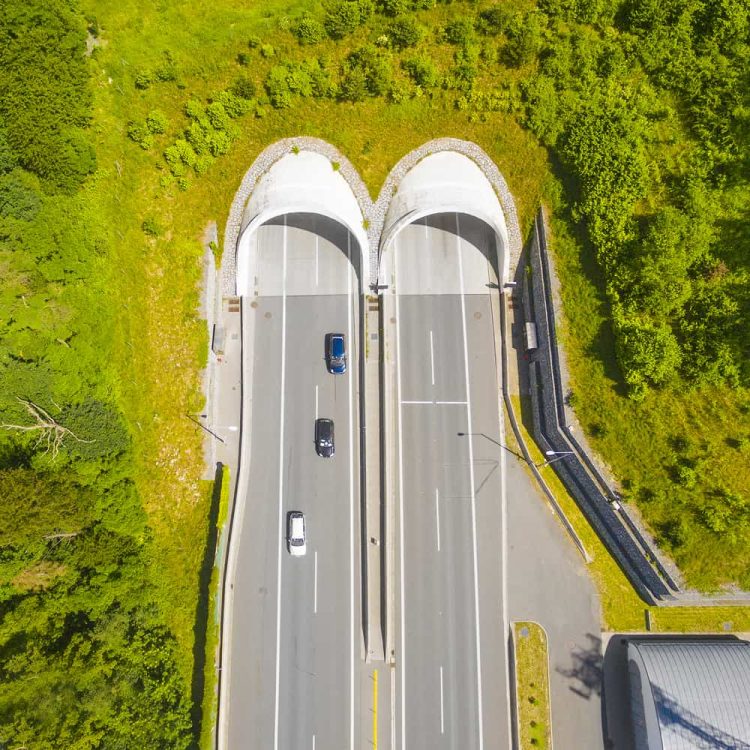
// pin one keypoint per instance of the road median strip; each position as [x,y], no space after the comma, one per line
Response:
[532,686]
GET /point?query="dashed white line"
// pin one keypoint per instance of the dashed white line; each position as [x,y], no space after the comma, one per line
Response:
[316,402]
[313,747]
[281,490]
[472,486]
[437,403]
[437,516]
[432,358]
[315,585]
[442,703]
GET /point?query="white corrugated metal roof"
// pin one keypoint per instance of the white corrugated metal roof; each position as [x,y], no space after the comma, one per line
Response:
[702,692]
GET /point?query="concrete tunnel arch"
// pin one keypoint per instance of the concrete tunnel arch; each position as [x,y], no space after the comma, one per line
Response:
[298,182]
[445,182]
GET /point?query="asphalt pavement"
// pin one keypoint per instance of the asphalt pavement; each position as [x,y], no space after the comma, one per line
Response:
[296,632]
[451,644]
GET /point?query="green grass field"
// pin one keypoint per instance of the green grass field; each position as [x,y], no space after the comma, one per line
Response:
[153,277]
[532,686]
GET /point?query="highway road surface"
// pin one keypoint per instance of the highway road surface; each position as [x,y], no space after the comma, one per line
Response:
[296,644]
[451,644]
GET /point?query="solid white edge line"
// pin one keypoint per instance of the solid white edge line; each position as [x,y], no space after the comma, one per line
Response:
[472,486]
[317,264]
[438,403]
[315,585]
[351,494]
[442,703]
[437,516]
[432,358]
[400,503]
[316,403]
[281,491]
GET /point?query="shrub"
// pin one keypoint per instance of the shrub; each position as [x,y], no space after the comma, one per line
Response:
[525,32]
[18,196]
[367,70]
[393,7]
[267,50]
[494,20]
[648,354]
[156,122]
[151,227]
[460,31]
[421,70]
[308,30]
[143,79]
[243,58]
[243,87]
[254,42]
[139,133]
[405,32]
[342,18]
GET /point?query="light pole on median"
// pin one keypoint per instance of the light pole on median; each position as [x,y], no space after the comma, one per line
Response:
[557,456]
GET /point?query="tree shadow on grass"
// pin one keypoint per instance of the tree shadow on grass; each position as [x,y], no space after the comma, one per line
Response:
[202,612]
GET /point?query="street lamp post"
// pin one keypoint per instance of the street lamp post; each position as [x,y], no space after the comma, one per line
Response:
[492,440]
[557,456]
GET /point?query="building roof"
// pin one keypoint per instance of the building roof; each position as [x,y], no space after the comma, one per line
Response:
[701,690]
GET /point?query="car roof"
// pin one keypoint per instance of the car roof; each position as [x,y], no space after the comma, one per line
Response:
[298,524]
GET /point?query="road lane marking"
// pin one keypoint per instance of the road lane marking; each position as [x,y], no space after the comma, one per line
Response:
[432,358]
[351,493]
[313,747]
[442,703]
[375,709]
[393,708]
[437,516]
[471,485]
[316,403]
[315,585]
[437,403]
[281,490]
[400,504]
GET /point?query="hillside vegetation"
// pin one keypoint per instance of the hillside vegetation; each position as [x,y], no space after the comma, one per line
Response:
[125,128]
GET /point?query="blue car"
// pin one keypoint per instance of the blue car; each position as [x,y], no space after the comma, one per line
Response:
[336,353]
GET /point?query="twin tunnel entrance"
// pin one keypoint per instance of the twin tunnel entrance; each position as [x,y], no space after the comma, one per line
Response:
[414,285]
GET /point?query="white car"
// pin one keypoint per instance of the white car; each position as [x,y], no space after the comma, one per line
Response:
[295,533]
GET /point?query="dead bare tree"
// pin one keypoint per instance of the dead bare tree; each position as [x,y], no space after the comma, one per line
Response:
[51,432]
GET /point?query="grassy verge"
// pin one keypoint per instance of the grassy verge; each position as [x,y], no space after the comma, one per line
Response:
[532,685]
[622,608]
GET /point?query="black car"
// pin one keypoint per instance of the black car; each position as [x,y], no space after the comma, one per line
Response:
[324,437]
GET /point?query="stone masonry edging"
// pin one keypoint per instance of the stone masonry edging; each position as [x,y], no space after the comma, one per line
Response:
[374,212]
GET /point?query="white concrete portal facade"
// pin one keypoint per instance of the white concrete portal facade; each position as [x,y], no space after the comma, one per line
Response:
[304,182]
[308,175]
[444,183]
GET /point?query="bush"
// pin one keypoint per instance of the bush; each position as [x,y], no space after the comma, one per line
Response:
[366,71]
[143,79]
[393,7]
[19,196]
[494,20]
[156,122]
[525,32]
[243,87]
[421,70]
[308,30]
[405,32]
[648,354]
[139,133]
[460,31]
[342,18]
